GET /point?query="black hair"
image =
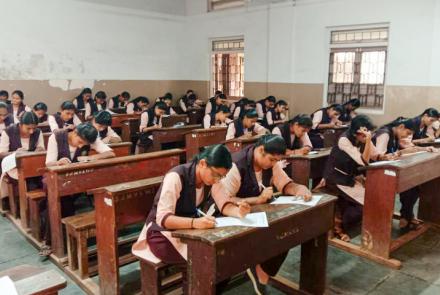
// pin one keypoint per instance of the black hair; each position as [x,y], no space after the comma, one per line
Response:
[407,123]
[431,112]
[358,122]
[337,107]
[223,109]
[189,90]
[87,132]
[271,98]
[217,156]
[19,93]
[125,95]
[302,120]
[251,114]
[354,102]
[40,106]
[218,92]
[101,95]
[68,105]
[4,93]
[29,118]
[168,95]
[161,105]
[103,118]
[281,102]
[84,91]
[143,99]
[273,144]
[3,105]
[222,96]
[192,97]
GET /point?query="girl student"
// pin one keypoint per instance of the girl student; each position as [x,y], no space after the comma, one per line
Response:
[66,118]
[243,105]
[387,140]
[4,97]
[98,104]
[275,115]
[322,119]
[102,121]
[6,119]
[189,101]
[40,109]
[424,128]
[245,126]
[264,105]
[138,105]
[84,98]
[256,168]
[151,119]
[119,101]
[186,190]
[17,106]
[215,102]
[219,119]
[168,100]
[295,135]
[349,110]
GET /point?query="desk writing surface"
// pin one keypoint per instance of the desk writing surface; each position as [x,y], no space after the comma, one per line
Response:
[321,153]
[274,213]
[406,161]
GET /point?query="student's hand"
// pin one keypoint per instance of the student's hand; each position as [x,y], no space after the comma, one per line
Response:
[265,195]
[431,149]
[69,127]
[303,192]
[243,208]
[84,159]
[290,152]
[391,156]
[21,150]
[63,161]
[303,151]
[114,140]
[204,222]
[365,132]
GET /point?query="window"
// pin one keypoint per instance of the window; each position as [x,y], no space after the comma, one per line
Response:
[357,66]
[227,62]
[224,4]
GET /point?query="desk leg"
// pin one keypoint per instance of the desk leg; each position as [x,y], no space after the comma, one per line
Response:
[201,269]
[54,203]
[191,146]
[300,171]
[313,265]
[429,206]
[24,211]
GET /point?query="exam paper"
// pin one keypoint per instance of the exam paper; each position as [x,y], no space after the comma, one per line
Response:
[378,163]
[252,220]
[7,287]
[313,153]
[297,200]
[8,163]
[437,140]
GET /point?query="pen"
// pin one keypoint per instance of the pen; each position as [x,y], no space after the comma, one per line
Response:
[204,214]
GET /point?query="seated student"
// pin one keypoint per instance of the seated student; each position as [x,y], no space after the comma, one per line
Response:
[349,110]
[324,118]
[424,130]
[4,97]
[387,140]
[6,119]
[275,115]
[355,149]
[98,104]
[245,105]
[151,119]
[185,190]
[214,102]
[264,105]
[295,135]
[64,148]
[65,119]
[219,119]
[119,101]
[83,98]
[235,104]
[188,102]
[138,105]
[102,121]
[255,170]
[245,126]
[436,128]
[17,107]
[40,109]
[168,100]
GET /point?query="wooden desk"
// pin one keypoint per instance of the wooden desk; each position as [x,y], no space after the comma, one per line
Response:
[217,254]
[382,184]
[118,110]
[195,116]
[130,204]
[434,144]
[76,178]
[168,135]
[237,144]
[129,128]
[117,119]
[170,121]
[331,135]
[32,280]
[302,168]
[199,138]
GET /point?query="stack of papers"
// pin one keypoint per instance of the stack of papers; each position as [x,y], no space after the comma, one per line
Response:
[293,200]
[252,220]
[7,287]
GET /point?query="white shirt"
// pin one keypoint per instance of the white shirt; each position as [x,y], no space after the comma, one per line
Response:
[270,119]
[207,122]
[54,125]
[182,105]
[305,140]
[237,112]
[110,134]
[4,142]
[88,112]
[144,122]
[130,108]
[260,111]
[15,114]
[230,134]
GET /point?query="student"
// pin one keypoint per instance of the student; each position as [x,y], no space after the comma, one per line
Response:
[275,115]
[324,118]
[295,135]
[219,119]
[245,105]
[150,120]
[424,130]
[354,149]
[98,104]
[186,189]
[64,148]
[264,105]
[102,121]
[387,140]
[245,126]
[214,102]
[4,97]
[6,119]
[235,104]
[255,170]
[83,98]
[138,105]
[349,110]
[119,101]
[40,109]
[65,119]
[168,99]
[17,107]
[187,102]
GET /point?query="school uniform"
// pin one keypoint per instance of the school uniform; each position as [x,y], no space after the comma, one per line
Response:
[9,120]
[347,116]
[211,106]
[92,108]
[386,143]
[270,118]
[17,112]
[114,103]
[148,119]
[319,117]
[56,122]
[292,142]
[43,120]
[132,107]
[209,121]
[185,103]
[261,109]
[108,133]
[420,133]
[236,129]
[170,111]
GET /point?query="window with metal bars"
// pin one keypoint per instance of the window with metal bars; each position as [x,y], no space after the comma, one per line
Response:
[357,66]
[224,4]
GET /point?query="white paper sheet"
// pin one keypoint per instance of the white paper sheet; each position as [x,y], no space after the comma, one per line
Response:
[297,200]
[8,163]
[437,140]
[252,220]
[7,286]
[313,153]
[378,163]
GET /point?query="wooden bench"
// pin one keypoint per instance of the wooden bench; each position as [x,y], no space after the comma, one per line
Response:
[195,116]
[129,129]
[64,181]
[331,135]
[117,119]
[199,138]
[170,135]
